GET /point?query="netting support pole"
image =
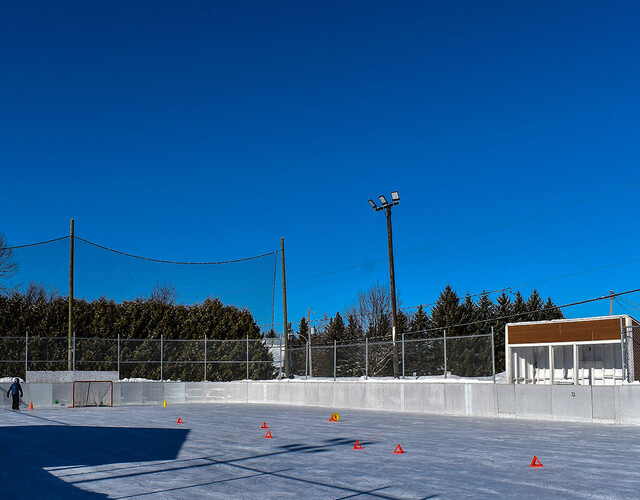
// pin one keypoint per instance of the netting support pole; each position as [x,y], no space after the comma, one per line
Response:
[403,377]
[335,356]
[74,351]
[161,355]
[287,367]
[366,358]
[247,357]
[70,332]
[118,356]
[205,357]
[493,359]
[26,354]
[444,343]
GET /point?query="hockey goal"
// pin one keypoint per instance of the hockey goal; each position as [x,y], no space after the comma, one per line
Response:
[92,393]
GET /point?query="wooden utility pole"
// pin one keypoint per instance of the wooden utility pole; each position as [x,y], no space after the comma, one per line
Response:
[611,303]
[70,335]
[284,312]
[392,279]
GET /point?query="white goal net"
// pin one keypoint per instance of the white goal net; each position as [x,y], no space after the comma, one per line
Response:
[92,393]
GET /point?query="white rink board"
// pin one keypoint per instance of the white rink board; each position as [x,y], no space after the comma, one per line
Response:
[601,404]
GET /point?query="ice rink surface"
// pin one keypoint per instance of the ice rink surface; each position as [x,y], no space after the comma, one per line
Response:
[220,452]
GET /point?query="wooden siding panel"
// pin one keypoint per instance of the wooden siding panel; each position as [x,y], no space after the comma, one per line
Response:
[573,331]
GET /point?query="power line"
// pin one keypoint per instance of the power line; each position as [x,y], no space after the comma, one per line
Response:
[544,309]
[515,315]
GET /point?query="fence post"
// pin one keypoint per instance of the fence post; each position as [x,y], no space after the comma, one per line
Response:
[444,342]
[403,356]
[622,348]
[161,355]
[118,356]
[306,361]
[205,357]
[26,354]
[247,357]
[366,358]
[74,351]
[493,358]
[335,352]
[282,354]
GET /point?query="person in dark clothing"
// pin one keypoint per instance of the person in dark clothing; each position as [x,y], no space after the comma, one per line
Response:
[16,391]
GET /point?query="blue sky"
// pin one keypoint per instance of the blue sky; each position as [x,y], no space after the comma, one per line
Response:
[205,131]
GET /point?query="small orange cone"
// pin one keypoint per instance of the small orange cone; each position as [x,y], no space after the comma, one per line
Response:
[398,449]
[264,425]
[31,406]
[535,462]
[268,435]
[179,421]
[357,446]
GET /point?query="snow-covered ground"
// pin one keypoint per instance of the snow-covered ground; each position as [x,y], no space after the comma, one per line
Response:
[220,452]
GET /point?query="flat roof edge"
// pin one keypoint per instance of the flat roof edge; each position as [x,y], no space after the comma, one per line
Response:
[573,320]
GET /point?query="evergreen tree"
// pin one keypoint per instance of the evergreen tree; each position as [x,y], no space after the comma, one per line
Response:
[297,347]
[460,352]
[336,330]
[503,311]
[552,311]
[535,306]
[417,349]
[519,309]
[485,312]
[445,314]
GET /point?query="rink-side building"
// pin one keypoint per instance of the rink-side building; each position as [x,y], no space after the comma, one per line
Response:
[586,351]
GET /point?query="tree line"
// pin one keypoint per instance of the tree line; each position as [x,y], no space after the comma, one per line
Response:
[140,323]
[370,318]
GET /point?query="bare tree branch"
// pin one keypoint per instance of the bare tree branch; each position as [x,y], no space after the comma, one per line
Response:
[8,266]
[164,293]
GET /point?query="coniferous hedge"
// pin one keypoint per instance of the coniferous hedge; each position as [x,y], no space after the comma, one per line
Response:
[140,323]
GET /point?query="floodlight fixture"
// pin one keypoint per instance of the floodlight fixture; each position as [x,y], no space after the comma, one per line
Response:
[383,200]
[373,205]
[395,197]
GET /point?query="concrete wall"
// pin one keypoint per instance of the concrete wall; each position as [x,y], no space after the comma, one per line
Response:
[608,404]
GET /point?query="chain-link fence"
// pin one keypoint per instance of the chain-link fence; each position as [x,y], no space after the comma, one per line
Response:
[463,356]
[632,353]
[257,359]
[153,359]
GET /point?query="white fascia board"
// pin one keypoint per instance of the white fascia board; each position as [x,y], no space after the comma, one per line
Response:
[572,320]
[584,342]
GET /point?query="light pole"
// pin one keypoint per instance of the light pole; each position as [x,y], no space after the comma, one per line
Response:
[395,199]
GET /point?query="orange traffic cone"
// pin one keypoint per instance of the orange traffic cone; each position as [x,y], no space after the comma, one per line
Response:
[535,462]
[357,446]
[31,406]
[398,449]
[264,425]
[268,435]
[179,421]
